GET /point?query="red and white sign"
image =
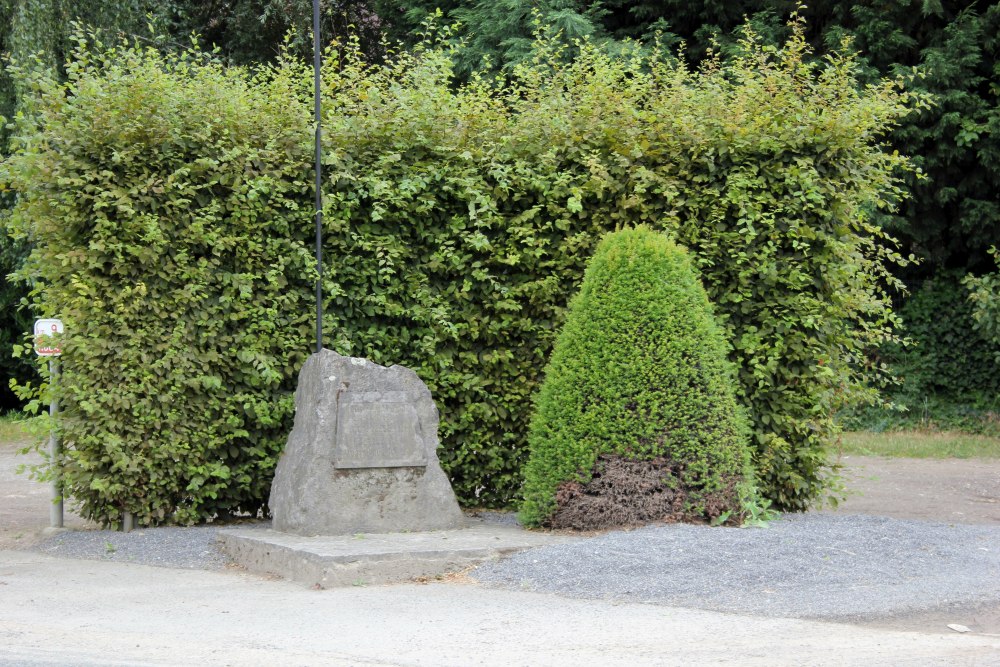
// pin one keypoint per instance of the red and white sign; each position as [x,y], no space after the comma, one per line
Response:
[44,345]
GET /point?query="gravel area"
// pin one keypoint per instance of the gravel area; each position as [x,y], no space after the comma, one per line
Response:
[848,568]
[191,548]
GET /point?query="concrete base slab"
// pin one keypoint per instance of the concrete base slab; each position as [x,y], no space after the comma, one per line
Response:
[327,561]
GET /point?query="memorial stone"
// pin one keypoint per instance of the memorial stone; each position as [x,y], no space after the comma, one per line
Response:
[362,455]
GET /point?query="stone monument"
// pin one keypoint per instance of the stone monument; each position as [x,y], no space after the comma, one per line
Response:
[362,456]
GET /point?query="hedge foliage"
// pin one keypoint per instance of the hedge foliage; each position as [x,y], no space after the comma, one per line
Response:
[984,293]
[639,371]
[169,205]
[947,369]
[164,196]
[14,319]
[465,219]
[949,355]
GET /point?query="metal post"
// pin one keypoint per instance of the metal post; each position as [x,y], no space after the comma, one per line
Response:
[317,63]
[56,509]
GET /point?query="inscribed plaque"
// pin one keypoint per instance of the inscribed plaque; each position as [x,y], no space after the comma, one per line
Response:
[378,434]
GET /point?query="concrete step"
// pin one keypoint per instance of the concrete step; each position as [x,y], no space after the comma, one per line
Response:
[327,561]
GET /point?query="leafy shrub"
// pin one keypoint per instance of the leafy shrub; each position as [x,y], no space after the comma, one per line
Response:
[985,297]
[164,198]
[14,320]
[949,355]
[947,372]
[462,219]
[170,207]
[639,372]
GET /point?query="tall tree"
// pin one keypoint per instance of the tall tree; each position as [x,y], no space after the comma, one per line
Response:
[254,31]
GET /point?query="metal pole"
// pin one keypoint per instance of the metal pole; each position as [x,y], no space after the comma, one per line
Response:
[56,509]
[317,62]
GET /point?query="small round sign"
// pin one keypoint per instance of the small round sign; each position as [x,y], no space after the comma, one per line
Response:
[44,331]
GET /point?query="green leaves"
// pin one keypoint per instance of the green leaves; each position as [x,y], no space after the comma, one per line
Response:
[766,168]
[984,294]
[170,202]
[169,237]
[639,371]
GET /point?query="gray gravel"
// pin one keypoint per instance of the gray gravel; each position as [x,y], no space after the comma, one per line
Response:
[186,548]
[852,567]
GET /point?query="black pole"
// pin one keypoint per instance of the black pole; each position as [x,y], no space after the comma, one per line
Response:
[317,62]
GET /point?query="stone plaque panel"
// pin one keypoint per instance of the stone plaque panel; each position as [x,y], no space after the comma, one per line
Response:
[378,430]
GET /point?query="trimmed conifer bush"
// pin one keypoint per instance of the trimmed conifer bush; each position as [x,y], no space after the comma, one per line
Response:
[637,420]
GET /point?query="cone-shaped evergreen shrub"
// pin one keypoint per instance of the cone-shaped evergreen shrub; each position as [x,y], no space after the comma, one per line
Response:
[637,419]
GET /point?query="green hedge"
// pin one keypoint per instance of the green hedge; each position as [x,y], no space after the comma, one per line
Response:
[947,371]
[949,356]
[639,371]
[169,204]
[164,196]
[984,293]
[486,204]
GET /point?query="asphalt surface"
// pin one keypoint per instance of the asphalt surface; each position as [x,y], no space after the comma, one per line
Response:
[83,612]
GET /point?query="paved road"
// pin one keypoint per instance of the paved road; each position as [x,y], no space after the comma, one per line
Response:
[72,612]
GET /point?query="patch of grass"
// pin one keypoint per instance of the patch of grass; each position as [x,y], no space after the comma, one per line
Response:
[14,427]
[921,444]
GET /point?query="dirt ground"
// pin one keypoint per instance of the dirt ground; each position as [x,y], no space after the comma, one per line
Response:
[953,491]
[949,490]
[24,504]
